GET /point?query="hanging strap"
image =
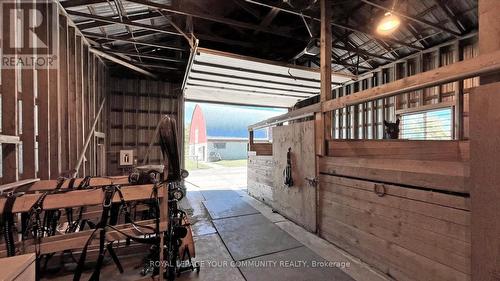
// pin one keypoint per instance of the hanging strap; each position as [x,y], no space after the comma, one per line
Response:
[109,192]
[287,173]
[8,227]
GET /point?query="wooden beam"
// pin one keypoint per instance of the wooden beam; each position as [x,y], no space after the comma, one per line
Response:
[480,65]
[64,90]
[489,32]
[484,154]
[55,105]
[10,186]
[86,104]
[289,116]
[9,90]
[80,139]
[79,198]
[4,139]
[72,101]
[28,123]
[43,102]
[324,131]
[122,62]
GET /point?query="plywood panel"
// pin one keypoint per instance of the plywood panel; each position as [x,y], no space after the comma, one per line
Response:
[298,202]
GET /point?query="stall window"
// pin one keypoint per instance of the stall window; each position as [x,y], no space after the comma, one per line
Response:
[427,125]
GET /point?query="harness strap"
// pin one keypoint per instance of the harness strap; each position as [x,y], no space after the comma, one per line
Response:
[8,218]
[71,184]
[83,256]
[109,192]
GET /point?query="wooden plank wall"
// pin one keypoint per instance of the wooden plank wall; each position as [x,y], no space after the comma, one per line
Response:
[262,148]
[365,120]
[135,107]
[260,177]
[409,234]
[400,206]
[47,107]
[438,165]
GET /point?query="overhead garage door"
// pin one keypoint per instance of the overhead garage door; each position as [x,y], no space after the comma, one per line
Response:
[222,77]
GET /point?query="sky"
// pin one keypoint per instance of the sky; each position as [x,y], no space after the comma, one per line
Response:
[188,112]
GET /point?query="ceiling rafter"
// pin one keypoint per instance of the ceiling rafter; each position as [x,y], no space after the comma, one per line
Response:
[110,39]
[280,32]
[268,18]
[80,3]
[450,15]
[135,17]
[339,25]
[153,57]
[124,22]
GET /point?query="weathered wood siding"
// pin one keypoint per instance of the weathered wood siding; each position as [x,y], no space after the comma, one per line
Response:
[135,107]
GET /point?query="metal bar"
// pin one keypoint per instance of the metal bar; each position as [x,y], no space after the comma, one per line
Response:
[122,62]
[279,32]
[140,55]
[124,22]
[114,38]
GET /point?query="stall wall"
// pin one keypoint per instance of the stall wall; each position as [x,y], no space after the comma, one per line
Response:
[46,112]
[401,206]
[365,120]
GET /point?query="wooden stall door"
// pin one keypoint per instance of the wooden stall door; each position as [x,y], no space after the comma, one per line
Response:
[297,203]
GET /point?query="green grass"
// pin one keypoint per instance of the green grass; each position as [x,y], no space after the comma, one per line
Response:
[191,165]
[232,163]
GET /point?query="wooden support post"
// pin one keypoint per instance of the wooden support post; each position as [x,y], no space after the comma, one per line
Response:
[54,106]
[489,31]
[86,94]
[71,105]
[27,111]
[324,126]
[323,122]
[485,154]
[79,137]
[9,102]
[459,98]
[43,103]
[484,177]
[64,93]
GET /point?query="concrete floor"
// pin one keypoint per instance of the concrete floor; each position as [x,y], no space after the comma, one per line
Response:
[240,238]
[254,246]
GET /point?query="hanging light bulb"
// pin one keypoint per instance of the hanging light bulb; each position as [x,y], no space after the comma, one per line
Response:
[388,24]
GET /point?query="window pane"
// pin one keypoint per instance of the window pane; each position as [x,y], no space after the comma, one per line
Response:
[428,125]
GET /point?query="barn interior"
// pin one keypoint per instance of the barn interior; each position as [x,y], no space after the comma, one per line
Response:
[383,167]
